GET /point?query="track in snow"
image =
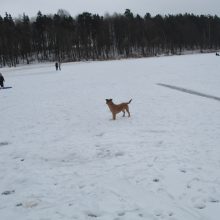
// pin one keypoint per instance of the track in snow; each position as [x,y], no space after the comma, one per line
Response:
[190,91]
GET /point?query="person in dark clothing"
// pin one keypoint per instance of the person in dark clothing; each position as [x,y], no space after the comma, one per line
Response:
[56,65]
[2,81]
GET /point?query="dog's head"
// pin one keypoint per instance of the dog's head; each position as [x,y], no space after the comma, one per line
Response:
[108,101]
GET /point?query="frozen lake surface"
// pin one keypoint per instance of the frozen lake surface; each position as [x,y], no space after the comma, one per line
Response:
[62,157]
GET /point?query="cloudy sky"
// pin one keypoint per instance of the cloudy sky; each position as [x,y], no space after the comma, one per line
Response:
[74,7]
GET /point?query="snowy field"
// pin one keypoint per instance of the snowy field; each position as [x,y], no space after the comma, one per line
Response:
[62,157]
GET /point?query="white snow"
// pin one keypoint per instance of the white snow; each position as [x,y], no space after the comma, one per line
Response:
[62,157]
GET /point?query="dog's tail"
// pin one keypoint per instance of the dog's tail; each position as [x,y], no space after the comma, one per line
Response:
[129,101]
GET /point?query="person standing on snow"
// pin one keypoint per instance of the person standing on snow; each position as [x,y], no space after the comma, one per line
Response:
[56,65]
[2,80]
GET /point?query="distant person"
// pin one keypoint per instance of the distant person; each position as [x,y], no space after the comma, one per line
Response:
[59,64]
[56,65]
[2,80]
[217,54]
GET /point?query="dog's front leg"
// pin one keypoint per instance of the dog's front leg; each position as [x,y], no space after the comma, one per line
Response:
[113,116]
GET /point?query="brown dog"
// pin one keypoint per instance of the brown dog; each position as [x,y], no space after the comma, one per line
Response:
[115,109]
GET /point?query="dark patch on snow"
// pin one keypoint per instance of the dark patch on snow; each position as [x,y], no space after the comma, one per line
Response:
[92,215]
[100,134]
[8,192]
[119,154]
[4,143]
[200,206]
[214,200]
[121,213]
[171,214]
[6,87]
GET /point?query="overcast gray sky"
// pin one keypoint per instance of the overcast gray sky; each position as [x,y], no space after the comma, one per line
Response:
[74,7]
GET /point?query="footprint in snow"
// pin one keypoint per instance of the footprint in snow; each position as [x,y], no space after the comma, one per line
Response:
[4,143]
[8,192]
[92,215]
[192,181]
[104,153]
[158,213]
[100,134]
[119,154]
[188,186]
[200,205]
[213,200]
[182,170]
[163,214]
[121,213]
[156,180]
[170,214]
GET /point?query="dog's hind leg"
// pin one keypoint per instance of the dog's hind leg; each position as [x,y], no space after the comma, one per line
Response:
[127,110]
[123,113]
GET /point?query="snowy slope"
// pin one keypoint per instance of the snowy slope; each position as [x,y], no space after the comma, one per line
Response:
[62,157]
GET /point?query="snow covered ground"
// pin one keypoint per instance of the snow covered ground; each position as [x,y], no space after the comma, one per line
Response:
[62,157]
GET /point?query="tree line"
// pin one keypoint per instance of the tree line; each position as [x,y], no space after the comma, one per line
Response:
[94,37]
